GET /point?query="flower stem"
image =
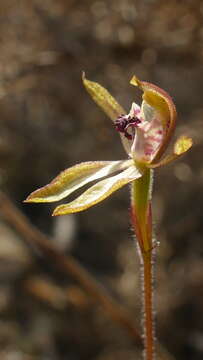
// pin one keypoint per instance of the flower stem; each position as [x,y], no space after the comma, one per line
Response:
[142,223]
[148,316]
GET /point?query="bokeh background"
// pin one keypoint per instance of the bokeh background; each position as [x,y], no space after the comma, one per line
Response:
[48,123]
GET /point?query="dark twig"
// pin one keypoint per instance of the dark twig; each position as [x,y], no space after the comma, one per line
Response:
[67,264]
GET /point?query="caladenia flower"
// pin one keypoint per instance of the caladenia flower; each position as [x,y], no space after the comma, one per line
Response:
[145,134]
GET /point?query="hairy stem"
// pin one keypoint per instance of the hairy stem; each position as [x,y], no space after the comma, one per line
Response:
[142,223]
[148,316]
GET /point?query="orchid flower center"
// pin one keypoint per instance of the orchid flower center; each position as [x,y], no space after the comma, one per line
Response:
[126,122]
[144,130]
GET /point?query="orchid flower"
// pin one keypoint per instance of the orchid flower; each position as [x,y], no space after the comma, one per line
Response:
[145,134]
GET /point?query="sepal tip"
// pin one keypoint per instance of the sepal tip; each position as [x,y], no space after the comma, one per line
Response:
[182,145]
[135,81]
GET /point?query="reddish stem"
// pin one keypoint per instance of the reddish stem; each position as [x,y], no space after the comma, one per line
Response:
[148,316]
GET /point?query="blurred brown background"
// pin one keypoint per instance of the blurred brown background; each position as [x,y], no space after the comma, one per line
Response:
[48,123]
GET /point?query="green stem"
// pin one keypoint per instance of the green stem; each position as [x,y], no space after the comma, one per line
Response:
[142,222]
[141,210]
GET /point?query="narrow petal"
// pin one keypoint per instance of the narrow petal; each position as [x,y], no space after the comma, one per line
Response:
[163,104]
[107,103]
[103,98]
[182,145]
[74,178]
[99,192]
